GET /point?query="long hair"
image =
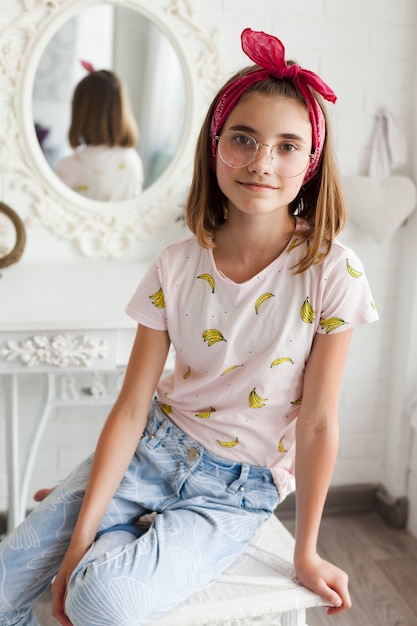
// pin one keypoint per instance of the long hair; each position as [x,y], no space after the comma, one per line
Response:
[320,202]
[101,112]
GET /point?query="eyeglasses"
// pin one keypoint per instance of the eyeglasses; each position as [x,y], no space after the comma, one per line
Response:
[237,149]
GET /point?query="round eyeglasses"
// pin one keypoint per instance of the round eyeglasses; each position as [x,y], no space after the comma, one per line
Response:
[238,149]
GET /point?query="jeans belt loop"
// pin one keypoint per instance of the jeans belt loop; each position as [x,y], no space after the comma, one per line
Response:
[154,438]
[238,484]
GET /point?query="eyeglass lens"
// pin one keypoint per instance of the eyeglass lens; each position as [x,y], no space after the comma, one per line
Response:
[238,149]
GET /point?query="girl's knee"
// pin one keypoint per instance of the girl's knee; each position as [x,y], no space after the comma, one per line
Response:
[92,601]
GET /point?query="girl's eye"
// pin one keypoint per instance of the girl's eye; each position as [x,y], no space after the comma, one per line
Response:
[288,147]
[243,140]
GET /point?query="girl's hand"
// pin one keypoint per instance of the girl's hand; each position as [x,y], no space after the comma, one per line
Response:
[59,594]
[59,587]
[327,580]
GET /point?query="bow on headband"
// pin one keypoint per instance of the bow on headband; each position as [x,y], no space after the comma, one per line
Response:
[87,66]
[268,53]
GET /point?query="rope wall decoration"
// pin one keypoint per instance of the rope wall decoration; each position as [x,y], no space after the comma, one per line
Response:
[14,255]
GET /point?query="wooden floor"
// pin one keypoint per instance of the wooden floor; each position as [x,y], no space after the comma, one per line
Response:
[381,563]
[382,567]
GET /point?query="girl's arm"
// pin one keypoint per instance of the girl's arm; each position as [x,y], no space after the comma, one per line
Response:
[115,449]
[317,437]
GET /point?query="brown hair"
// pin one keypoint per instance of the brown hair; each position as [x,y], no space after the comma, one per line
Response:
[101,112]
[320,202]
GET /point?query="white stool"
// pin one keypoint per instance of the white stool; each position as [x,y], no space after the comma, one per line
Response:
[260,589]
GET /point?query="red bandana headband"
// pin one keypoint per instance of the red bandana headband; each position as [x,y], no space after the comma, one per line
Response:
[269,53]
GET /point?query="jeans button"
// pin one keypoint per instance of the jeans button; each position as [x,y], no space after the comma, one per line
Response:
[241,488]
[193,454]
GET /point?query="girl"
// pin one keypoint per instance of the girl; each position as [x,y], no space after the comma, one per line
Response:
[105,165]
[259,304]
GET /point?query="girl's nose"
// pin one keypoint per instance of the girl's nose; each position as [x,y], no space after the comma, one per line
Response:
[262,162]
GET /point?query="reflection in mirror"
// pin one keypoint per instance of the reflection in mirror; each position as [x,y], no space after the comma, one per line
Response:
[122,40]
[105,165]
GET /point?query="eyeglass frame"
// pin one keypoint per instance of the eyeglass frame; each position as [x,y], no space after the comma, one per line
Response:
[258,146]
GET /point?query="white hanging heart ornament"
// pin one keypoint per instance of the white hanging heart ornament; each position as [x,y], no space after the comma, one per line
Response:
[379,207]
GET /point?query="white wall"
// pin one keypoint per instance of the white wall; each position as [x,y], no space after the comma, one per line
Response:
[365,50]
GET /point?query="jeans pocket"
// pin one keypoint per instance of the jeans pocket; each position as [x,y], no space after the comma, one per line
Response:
[264,499]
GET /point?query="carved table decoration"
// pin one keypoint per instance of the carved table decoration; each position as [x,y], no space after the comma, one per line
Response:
[59,350]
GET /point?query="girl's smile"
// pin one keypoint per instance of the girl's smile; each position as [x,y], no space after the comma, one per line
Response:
[257,187]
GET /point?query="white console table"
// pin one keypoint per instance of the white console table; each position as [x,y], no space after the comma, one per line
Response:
[57,319]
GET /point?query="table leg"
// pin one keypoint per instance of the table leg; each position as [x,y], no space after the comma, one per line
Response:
[18,478]
[12,448]
[46,406]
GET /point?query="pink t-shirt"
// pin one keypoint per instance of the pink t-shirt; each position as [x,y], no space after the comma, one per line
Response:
[104,173]
[241,349]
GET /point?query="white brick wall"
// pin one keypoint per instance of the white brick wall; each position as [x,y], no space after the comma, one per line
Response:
[365,49]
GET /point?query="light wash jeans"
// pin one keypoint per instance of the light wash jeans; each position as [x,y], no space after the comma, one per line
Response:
[208,509]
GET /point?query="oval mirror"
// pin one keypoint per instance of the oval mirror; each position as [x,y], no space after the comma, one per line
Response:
[170,69]
[122,40]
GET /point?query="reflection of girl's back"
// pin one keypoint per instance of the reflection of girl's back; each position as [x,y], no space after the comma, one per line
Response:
[105,165]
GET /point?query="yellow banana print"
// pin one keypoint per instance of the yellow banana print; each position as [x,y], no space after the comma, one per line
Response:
[187,373]
[353,272]
[158,299]
[209,278]
[255,401]
[230,369]
[228,444]
[318,255]
[282,359]
[205,414]
[330,324]
[166,408]
[212,335]
[281,447]
[262,299]
[298,401]
[292,245]
[307,313]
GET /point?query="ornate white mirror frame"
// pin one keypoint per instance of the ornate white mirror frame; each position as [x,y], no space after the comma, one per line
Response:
[98,229]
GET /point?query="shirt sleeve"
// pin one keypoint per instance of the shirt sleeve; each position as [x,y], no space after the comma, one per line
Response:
[147,306]
[348,300]
[68,171]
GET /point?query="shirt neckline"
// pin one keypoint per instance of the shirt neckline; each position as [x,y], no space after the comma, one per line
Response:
[280,260]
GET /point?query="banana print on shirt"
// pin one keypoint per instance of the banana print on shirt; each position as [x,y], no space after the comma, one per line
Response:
[212,336]
[331,323]
[261,300]
[307,312]
[255,400]
[204,415]
[158,299]
[209,278]
[354,273]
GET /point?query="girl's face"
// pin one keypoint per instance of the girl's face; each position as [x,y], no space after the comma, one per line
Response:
[257,188]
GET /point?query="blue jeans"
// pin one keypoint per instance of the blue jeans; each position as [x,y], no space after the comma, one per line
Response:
[207,511]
